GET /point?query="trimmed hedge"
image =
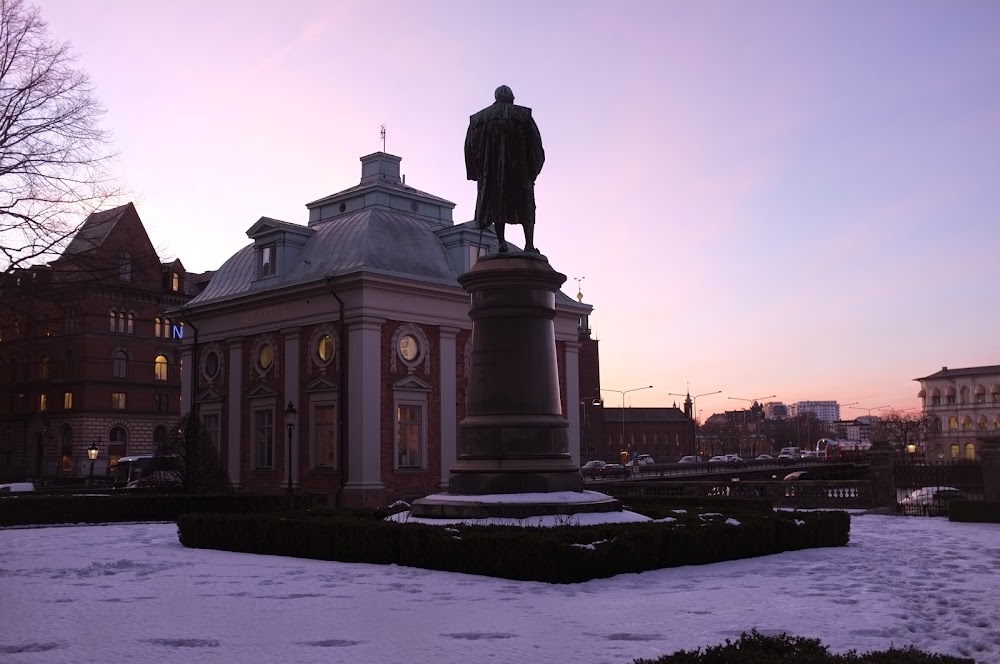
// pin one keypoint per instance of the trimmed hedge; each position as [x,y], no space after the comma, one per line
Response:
[974,511]
[755,648]
[563,554]
[24,510]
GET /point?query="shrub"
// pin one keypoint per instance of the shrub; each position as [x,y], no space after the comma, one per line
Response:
[755,648]
[809,530]
[978,511]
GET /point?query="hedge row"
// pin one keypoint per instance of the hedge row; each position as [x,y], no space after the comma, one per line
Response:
[755,648]
[23,510]
[977,511]
[564,554]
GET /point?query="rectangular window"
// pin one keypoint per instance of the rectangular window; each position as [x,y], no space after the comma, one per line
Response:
[267,261]
[935,401]
[162,402]
[118,401]
[325,418]
[67,400]
[210,423]
[263,425]
[408,425]
[43,403]
[951,399]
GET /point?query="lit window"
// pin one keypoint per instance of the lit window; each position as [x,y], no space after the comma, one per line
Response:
[970,452]
[121,321]
[166,328]
[67,400]
[326,436]
[267,266]
[408,444]
[118,401]
[954,450]
[324,348]
[981,423]
[160,367]
[43,403]
[157,326]
[119,364]
[265,356]
[966,424]
[175,282]
[952,423]
[263,421]
[112,317]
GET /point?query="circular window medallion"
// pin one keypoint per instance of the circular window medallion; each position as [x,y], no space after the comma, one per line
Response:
[409,348]
[324,348]
[212,365]
[343,206]
[265,356]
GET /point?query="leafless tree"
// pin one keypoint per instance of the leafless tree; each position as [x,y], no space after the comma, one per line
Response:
[53,151]
[899,428]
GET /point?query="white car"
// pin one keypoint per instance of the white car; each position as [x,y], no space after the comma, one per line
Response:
[17,487]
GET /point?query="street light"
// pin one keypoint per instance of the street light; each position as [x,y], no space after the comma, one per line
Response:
[92,455]
[598,401]
[868,409]
[290,414]
[752,402]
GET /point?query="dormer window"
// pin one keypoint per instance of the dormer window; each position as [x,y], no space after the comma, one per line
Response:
[175,282]
[268,261]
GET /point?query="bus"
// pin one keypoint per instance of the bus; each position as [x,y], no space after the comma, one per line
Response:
[834,450]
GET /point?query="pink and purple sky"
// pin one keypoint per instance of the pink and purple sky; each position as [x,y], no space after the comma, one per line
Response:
[797,199]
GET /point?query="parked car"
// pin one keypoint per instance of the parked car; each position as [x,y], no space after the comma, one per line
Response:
[764,457]
[718,460]
[592,468]
[641,460]
[612,470]
[17,487]
[931,500]
[809,455]
[735,460]
[691,458]
[799,475]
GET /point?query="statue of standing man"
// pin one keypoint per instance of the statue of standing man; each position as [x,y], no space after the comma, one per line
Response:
[504,155]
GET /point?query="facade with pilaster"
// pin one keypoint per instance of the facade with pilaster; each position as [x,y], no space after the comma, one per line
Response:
[961,409]
[357,320]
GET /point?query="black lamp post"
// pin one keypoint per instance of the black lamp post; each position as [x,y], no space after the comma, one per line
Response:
[290,414]
[92,455]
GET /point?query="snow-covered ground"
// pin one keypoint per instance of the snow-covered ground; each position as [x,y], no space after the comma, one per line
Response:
[132,593]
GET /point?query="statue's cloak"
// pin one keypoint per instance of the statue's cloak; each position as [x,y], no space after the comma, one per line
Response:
[504,155]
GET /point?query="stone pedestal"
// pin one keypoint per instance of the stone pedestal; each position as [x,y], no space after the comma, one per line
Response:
[514,438]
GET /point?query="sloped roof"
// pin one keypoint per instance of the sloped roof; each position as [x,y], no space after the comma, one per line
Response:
[968,371]
[645,415]
[95,229]
[375,239]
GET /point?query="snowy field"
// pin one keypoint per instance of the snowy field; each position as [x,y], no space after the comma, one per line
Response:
[132,593]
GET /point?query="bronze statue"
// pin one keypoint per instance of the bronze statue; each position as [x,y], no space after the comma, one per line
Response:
[504,155]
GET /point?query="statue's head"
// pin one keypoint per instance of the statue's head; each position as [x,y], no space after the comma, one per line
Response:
[504,94]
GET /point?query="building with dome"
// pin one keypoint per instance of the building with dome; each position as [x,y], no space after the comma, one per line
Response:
[356,323]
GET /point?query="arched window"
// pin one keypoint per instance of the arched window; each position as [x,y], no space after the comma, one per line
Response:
[970,451]
[175,282]
[952,423]
[125,271]
[954,450]
[936,424]
[66,445]
[935,397]
[966,423]
[160,436]
[166,328]
[130,324]
[121,321]
[964,395]
[117,444]
[949,396]
[160,367]
[980,393]
[981,423]
[157,326]
[112,318]
[119,364]
[995,394]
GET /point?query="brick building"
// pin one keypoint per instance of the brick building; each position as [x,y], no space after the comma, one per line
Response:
[88,353]
[358,321]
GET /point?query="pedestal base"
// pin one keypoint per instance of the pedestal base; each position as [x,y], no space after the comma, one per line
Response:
[516,506]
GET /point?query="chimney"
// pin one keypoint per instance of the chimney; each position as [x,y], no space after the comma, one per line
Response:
[380,167]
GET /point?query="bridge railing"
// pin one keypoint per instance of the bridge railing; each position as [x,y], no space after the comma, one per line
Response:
[842,494]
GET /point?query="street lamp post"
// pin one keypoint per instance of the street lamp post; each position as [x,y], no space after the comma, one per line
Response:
[290,414]
[752,402]
[92,455]
[623,393]
[697,413]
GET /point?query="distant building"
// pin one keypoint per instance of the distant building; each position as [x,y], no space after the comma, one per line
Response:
[961,407]
[88,352]
[859,429]
[825,411]
[775,410]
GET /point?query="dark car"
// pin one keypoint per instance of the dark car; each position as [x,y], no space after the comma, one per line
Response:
[591,469]
[799,475]
[615,470]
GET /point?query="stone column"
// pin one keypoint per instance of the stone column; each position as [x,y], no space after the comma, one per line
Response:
[449,392]
[514,438]
[234,427]
[991,469]
[880,474]
[364,406]
[293,364]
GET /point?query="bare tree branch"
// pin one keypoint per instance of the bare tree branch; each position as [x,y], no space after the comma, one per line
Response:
[53,151]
